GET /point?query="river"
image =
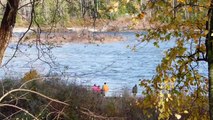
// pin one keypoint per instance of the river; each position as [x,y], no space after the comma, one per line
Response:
[88,64]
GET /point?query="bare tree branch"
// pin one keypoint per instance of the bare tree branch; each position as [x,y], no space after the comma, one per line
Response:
[31,91]
[14,106]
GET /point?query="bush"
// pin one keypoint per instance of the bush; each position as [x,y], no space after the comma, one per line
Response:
[32,74]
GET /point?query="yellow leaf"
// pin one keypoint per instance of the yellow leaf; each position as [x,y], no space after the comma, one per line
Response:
[173,79]
[185,111]
[190,9]
[178,116]
[115,9]
[169,95]
[206,32]
[141,15]
[115,4]
[182,1]
[161,95]
[125,1]
[111,10]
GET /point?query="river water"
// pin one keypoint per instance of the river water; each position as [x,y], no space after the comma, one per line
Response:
[88,64]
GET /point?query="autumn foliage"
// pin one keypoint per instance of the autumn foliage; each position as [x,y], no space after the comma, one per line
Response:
[178,87]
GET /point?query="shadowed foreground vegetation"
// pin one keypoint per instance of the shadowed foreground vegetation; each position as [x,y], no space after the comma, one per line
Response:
[79,103]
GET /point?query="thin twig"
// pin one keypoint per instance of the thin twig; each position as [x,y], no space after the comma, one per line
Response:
[31,91]
[14,106]
[9,117]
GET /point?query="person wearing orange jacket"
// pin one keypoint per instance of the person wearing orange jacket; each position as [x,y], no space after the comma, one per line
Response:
[105,89]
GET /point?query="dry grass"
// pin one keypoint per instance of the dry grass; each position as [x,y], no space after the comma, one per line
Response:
[50,98]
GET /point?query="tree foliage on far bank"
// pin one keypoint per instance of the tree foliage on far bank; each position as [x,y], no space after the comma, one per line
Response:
[64,11]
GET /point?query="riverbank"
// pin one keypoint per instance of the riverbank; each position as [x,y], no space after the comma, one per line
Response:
[49,97]
[83,33]
[69,35]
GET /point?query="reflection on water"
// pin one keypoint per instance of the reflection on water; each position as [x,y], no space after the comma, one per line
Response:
[90,64]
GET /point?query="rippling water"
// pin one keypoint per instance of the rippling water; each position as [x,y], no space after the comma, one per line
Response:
[89,64]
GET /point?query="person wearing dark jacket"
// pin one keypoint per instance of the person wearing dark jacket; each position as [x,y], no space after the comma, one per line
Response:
[134,90]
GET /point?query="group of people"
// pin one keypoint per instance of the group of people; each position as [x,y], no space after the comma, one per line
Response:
[102,90]
[105,88]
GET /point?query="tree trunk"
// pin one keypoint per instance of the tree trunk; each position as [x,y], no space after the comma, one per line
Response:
[7,24]
[209,51]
